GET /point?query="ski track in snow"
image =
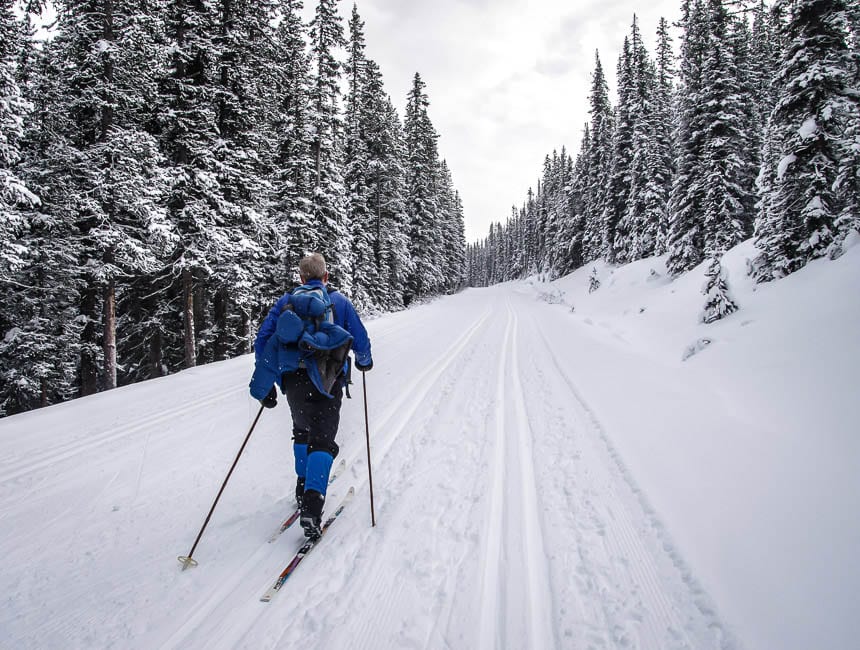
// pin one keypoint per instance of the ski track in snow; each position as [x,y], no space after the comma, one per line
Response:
[505,518]
[624,561]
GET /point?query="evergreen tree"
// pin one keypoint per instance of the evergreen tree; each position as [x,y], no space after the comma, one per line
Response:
[661,152]
[421,199]
[726,178]
[599,159]
[719,303]
[573,229]
[616,231]
[188,137]
[685,241]
[112,165]
[293,166]
[331,235]
[807,127]
[640,226]
[243,46]
[14,193]
[387,178]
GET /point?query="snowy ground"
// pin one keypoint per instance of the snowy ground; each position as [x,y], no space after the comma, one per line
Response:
[549,473]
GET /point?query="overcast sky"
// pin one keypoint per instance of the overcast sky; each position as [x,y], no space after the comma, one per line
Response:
[508,80]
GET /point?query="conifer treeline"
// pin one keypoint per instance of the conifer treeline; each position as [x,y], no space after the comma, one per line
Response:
[754,130]
[165,163]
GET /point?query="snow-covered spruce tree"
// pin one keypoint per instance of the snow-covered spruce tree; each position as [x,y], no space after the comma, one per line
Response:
[599,158]
[530,228]
[593,281]
[640,225]
[293,165]
[542,215]
[357,156]
[719,303]
[727,177]
[571,232]
[451,228]
[761,71]
[553,209]
[112,165]
[188,138]
[564,234]
[661,153]
[331,235]
[387,178]
[19,389]
[616,236]
[808,127]
[847,183]
[243,42]
[422,159]
[14,193]
[685,241]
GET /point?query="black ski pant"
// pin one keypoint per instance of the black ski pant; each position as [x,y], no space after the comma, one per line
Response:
[315,416]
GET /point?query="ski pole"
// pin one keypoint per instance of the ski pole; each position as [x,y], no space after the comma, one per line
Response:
[367,431]
[187,560]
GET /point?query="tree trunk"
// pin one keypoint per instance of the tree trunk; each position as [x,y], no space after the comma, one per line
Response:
[200,323]
[318,156]
[244,332]
[155,356]
[188,318]
[109,339]
[220,305]
[89,383]
[109,313]
[377,246]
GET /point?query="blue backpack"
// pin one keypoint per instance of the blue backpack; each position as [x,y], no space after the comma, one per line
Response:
[305,337]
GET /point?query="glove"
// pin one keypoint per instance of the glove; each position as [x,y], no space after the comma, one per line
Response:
[362,367]
[270,401]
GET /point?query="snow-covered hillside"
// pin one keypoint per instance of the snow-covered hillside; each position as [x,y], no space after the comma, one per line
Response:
[553,469]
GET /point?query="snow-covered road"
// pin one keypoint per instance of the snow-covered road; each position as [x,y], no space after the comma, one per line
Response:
[509,515]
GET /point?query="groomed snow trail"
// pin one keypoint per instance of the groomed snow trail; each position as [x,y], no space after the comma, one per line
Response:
[505,516]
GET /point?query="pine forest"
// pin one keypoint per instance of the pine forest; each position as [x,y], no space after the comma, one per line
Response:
[752,130]
[164,164]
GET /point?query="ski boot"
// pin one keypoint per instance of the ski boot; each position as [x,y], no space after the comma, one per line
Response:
[311,517]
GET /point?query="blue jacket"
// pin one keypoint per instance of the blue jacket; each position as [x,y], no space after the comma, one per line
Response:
[274,359]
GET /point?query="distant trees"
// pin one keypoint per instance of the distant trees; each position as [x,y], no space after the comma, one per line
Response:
[753,130]
[165,164]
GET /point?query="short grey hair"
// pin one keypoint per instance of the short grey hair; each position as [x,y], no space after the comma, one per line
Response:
[312,267]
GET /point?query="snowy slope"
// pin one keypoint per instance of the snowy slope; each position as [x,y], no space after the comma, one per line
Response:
[544,478]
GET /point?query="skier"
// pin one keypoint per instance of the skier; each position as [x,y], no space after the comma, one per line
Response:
[307,356]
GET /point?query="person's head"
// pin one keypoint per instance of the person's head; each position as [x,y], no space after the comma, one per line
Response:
[312,267]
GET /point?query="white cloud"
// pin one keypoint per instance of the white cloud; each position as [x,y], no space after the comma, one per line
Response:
[508,80]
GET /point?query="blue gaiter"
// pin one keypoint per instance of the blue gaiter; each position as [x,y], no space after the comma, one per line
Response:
[319,466]
[301,454]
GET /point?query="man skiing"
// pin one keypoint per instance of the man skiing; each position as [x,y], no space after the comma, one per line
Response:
[302,345]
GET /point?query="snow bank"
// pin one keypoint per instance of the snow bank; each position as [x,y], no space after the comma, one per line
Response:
[743,433]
